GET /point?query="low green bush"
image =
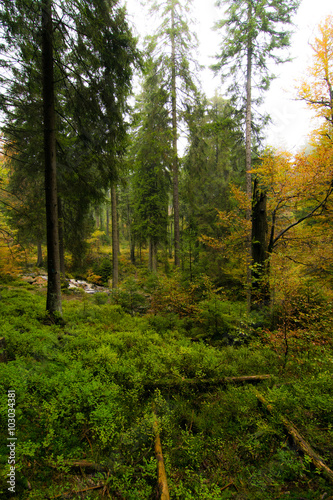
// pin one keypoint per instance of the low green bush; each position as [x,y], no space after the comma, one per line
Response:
[86,390]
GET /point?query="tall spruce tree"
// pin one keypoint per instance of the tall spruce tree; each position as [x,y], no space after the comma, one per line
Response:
[53,301]
[153,151]
[253,32]
[23,134]
[94,51]
[215,158]
[107,54]
[171,46]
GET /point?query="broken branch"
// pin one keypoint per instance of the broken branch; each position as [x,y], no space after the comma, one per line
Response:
[300,441]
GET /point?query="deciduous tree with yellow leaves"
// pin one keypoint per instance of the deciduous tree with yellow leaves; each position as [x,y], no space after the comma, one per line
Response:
[316,89]
[292,194]
[10,253]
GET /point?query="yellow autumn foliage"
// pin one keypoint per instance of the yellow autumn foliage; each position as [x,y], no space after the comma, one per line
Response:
[316,89]
[10,253]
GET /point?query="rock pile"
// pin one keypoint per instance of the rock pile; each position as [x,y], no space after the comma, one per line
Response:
[32,279]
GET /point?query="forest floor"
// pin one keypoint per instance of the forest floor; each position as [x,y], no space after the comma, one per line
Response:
[87,394]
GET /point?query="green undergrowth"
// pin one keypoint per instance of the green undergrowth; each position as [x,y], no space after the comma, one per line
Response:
[85,391]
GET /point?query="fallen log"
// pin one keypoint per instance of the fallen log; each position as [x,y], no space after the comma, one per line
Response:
[161,474]
[70,493]
[83,464]
[228,486]
[299,441]
[210,381]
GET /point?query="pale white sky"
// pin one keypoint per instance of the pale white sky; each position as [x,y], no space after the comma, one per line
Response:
[291,119]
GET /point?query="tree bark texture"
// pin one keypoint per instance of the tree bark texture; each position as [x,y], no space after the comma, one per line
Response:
[107,222]
[152,261]
[115,243]
[53,303]
[174,143]
[248,150]
[170,240]
[260,262]
[39,254]
[61,238]
[163,489]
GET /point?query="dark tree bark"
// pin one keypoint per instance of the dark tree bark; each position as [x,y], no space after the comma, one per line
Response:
[97,218]
[39,254]
[130,233]
[115,242]
[132,249]
[170,240]
[53,303]
[101,219]
[152,261]
[150,255]
[260,261]
[107,232]
[61,238]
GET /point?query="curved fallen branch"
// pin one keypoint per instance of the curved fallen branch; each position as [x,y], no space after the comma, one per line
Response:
[299,441]
[70,493]
[82,464]
[210,381]
[161,475]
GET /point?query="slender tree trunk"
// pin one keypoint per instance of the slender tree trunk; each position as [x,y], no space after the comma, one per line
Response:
[53,302]
[101,218]
[260,262]
[183,257]
[196,252]
[61,238]
[152,259]
[330,92]
[131,239]
[170,240]
[248,147]
[118,230]
[107,222]
[150,254]
[190,256]
[96,218]
[132,249]
[174,143]
[165,259]
[248,150]
[115,245]
[39,254]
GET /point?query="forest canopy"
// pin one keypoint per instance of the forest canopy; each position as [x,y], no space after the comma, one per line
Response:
[119,163]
